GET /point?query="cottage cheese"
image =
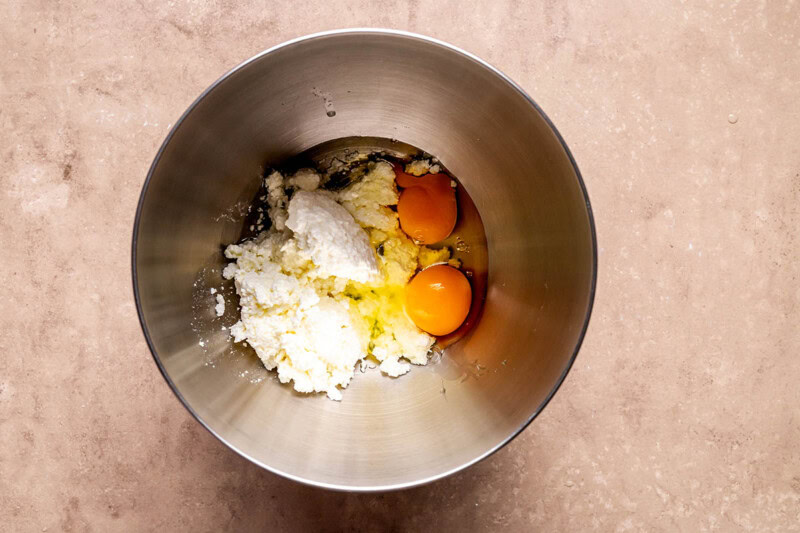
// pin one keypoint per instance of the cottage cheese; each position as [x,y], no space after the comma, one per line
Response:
[315,296]
[311,339]
[220,307]
[422,166]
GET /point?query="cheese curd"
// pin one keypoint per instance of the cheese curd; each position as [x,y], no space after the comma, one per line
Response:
[322,288]
[419,167]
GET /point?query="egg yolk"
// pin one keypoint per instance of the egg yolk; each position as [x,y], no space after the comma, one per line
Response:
[427,206]
[438,299]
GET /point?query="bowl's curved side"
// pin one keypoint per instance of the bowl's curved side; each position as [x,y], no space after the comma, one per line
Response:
[490,411]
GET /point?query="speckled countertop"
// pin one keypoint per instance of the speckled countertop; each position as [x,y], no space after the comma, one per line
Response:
[682,412]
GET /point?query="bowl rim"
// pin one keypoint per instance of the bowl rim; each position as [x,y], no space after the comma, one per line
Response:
[430,41]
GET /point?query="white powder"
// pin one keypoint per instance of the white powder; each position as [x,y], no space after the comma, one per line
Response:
[327,234]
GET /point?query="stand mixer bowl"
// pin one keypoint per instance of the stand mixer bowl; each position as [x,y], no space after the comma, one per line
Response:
[437,419]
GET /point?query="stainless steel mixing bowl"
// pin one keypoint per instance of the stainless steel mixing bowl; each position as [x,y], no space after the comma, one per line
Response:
[387,433]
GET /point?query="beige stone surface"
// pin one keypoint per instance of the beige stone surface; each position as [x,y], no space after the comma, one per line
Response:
[682,412]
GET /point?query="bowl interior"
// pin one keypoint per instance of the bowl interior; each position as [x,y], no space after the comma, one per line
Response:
[437,419]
